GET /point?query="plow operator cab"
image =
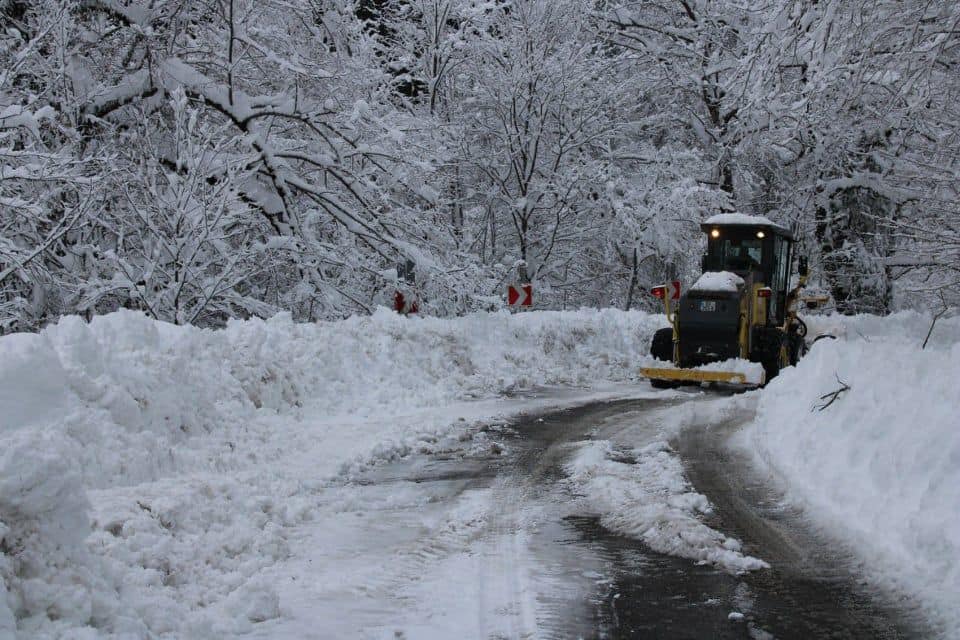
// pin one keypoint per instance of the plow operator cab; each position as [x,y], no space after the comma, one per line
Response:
[740,307]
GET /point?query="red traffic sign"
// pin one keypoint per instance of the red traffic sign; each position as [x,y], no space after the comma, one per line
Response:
[670,291]
[404,305]
[520,296]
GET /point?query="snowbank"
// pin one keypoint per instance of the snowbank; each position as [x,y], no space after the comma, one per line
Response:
[880,466]
[158,436]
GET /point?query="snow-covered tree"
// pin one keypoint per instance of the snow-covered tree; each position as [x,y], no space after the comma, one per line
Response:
[853,105]
[200,161]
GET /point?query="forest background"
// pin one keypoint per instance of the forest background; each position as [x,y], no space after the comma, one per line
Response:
[201,160]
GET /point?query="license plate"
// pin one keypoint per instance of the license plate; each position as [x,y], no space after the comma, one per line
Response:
[708,305]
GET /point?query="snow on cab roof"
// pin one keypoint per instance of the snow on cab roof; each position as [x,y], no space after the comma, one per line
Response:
[717,281]
[744,219]
[738,218]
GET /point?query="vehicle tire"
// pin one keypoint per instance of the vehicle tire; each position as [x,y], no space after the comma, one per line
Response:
[774,352]
[798,348]
[661,347]
[799,327]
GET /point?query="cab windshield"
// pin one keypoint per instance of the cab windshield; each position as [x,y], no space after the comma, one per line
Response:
[744,254]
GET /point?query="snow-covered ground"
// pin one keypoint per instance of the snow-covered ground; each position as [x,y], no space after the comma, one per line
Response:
[880,466]
[195,453]
[168,481]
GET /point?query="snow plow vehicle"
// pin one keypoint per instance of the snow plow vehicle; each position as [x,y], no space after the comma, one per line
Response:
[740,309]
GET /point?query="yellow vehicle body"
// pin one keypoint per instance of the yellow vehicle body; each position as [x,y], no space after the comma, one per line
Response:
[676,374]
[752,313]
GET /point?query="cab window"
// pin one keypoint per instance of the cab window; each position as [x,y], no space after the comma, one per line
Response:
[741,254]
[781,268]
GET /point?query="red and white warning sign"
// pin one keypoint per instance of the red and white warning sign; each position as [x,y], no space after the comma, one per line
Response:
[405,304]
[520,295]
[673,290]
[670,290]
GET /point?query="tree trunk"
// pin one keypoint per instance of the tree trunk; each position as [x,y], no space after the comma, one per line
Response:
[633,280]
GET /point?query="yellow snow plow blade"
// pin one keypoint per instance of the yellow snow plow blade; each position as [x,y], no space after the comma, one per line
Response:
[695,375]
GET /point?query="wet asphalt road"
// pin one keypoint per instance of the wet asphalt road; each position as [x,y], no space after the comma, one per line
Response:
[812,590]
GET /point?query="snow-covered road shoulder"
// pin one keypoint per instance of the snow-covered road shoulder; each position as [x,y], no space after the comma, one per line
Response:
[880,466]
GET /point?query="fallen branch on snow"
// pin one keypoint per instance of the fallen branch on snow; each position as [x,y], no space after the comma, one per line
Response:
[935,318]
[832,396]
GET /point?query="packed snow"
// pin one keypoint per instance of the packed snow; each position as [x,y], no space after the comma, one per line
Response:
[646,496]
[878,464]
[718,281]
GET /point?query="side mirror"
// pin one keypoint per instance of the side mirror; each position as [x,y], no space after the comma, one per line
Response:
[802,267]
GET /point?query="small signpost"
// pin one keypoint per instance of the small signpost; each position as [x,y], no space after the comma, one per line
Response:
[520,295]
[667,292]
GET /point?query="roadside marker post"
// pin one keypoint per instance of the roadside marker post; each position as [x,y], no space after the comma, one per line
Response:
[405,304]
[405,298]
[667,292]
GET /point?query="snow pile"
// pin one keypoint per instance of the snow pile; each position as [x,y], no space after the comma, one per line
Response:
[753,373]
[718,281]
[165,440]
[647,497]
[880,465]
[92,410]
[368,363]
